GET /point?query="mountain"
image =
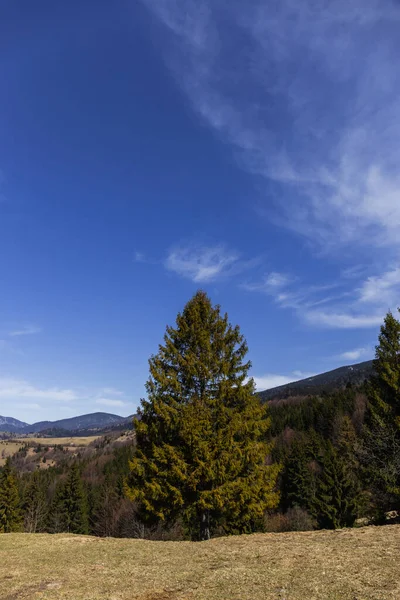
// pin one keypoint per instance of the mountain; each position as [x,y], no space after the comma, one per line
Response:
[11,425]
[90,422]
[98,420]
[325,382]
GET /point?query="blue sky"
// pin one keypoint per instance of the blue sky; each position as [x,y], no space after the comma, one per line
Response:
[151,148]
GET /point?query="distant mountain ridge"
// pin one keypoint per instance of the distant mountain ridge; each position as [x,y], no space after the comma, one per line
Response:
[325,382]
[89,421]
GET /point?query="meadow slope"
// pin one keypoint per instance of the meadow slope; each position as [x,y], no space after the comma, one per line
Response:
[352,564]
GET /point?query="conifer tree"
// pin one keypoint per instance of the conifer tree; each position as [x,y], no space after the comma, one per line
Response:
[338,498]
[10,512]
[299,481]
[201,450]
[380,451]
[74,502]
[69,510]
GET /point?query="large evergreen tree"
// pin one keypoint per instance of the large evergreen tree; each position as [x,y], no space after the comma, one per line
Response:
[380,451]
[201,434]
[10,513]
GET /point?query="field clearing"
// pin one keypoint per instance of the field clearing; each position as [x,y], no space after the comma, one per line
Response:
[8,448]
[61,441]
[11,447]
[349,564]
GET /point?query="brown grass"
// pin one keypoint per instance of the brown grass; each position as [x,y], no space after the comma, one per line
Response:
[352,564]
[8,448]
[60,441]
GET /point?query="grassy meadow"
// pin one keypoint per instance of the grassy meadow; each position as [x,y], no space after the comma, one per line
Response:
[347,564]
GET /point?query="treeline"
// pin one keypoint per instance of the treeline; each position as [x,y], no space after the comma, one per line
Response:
[81,494]
[211,459]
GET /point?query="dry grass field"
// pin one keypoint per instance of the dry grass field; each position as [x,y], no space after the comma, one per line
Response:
[61,441]
[10,447]
[352,564]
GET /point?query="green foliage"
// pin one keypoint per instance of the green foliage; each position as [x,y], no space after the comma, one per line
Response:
[380,451]
[299,480]
[312,413]
[10,513]
[384,401]
[69,511]
[338,498]
[201,436]
[321,479]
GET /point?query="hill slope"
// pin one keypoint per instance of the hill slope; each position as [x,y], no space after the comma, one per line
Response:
[12,425]
[90,421]
[325,382]
[347,564]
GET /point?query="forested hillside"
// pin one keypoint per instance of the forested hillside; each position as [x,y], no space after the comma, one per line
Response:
[338,379]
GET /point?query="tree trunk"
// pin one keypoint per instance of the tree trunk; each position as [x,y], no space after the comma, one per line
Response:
[205,526]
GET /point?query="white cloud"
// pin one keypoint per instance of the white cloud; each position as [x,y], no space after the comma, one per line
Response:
[271,380]
[355,305]
[112,391]
[356,354]
[308,99]
[342,320]
[202,264]
[382,289]
[110,402]
[272,284]
[16,389]
[25,330]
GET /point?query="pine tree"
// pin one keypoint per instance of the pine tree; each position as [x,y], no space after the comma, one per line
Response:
[10,513]
[380,452]
[201,450]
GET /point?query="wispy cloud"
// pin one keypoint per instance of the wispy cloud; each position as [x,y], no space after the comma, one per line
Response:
[112,391]
[20,394]
[203,264]
[343,304]
[343,320]
[356,354]
[307,94]
[25,330]
[272,284]
[16,389]
[110,402]
[382,289]
[271,380]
